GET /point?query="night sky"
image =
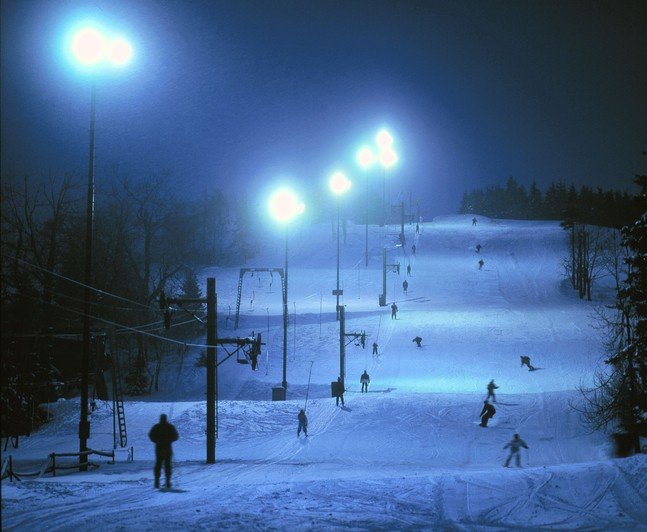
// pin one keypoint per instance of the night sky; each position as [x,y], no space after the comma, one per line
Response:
[237,94]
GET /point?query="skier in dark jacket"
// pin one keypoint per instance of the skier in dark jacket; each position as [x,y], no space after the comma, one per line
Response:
[418,341]
[163,434]
[405,286]
[303,423]
[394,311]
[525,361]
[478,248]
[481,263]
[375,348]
[365,379]
[408,269]
[515,445]
[487,413]
[340,392]
[490,391]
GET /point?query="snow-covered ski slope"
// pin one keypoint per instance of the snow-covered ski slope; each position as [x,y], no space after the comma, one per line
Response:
[407,455]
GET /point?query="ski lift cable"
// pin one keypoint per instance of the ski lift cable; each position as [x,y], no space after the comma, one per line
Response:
[115,324]
[97,290]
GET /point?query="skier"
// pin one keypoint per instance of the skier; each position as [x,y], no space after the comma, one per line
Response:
[481,263]
[364,379]
[525,360]
[474,221]
[418,340]
[515,444]
[487,413]
[490,391]
[303,423]
[394,311]
[163,434]
[408,269]
[405,286]
[413,249]
[375,348]
[340,392]
[417,229]
[478,248]
[397,268]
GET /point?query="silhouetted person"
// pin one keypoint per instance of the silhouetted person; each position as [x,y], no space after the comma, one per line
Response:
[515,445]
[525,361]
[303,423]
[364,379]
[405,286]
[487,413]
[481,263]
[397,268]
[394,311]
[490,391]
[375,348]
[478,248]
[408,269]
[163,434]
[413,249]
[417,229]
[474,221]
[418,340]
[340,392]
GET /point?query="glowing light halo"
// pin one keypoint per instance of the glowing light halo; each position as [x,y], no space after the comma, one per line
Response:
[120,51]
[284,205]
[91,46]
[339,183]
[88,46]
[388,158]
[384,140]
[366,157]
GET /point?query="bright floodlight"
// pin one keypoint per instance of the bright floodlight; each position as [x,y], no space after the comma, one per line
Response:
[388,158]
[92,47]
[88,46]
[365,157]
[120,51]
[284,205]
[384,139]
[339,183]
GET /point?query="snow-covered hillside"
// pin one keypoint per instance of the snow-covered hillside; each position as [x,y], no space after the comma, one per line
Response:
[407,455]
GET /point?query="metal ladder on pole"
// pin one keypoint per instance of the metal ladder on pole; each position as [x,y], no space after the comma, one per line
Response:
[117,390]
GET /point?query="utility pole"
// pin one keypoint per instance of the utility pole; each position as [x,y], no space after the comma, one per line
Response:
[342,343]
[383,294]
[212,370]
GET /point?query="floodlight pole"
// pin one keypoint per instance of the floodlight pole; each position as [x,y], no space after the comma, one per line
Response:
[337,292]
[84,424]
[366,221]
[285,318]
[212,369]
[383,198]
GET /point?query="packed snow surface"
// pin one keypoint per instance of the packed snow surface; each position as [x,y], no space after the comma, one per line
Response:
[409,454]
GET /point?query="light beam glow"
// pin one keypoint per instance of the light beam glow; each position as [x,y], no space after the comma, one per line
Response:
[88,46]
[365,157]
[339,183]
[384,140]
[388,158]
[284,205]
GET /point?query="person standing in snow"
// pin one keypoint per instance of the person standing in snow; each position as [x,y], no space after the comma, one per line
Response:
[408,269]
[163,434]
[375,348]
[340,392]
[490,391]
[413,249]
[418,340]
[394,311]
[514,445]
[525,361]
[405,286]
[478,248]
[487,413]
[481,263]
[474,221]
[364,379]
[417,229]
[303,423]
